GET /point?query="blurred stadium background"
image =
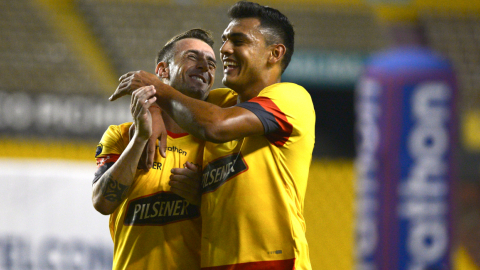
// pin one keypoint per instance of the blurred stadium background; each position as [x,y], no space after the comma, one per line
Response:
[60,60]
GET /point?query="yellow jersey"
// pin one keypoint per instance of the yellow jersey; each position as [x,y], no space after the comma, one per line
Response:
[154,228]
[254,188]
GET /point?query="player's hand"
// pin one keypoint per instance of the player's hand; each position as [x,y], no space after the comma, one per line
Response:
[149,151]
[141,100]
[133,80]
[158,132]
[185,182]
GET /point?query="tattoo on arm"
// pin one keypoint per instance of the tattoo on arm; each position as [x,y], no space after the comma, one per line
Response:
[114,191]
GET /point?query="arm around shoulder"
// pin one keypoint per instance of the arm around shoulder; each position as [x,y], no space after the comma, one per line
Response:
[208,121]
[227,124]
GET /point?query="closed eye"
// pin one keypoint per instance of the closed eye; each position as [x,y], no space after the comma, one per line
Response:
[238,42]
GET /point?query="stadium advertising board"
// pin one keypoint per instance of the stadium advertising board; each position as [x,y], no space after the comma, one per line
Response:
[335,68]
[60,115]
[48,221]
[406,130]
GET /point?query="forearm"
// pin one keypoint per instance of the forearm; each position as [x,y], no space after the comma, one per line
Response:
[201,119]
[113,185]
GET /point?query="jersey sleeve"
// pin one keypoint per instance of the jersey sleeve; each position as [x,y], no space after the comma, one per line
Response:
[285,110]
[110,147]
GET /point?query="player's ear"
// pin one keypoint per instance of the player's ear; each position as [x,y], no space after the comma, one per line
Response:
[162,70]
[277,51]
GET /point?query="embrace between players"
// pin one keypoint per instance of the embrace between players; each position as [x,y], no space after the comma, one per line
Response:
[228,191]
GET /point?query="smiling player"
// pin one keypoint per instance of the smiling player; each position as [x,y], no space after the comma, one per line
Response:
[258,153]
[152,227]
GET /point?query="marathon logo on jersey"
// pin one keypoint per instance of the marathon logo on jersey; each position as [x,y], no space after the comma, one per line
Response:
[175,149]
[218,172]
[159,209]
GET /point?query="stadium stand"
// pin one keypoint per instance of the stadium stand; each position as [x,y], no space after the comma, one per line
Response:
[458,37]
[131,43]
[133,32]
[35,58]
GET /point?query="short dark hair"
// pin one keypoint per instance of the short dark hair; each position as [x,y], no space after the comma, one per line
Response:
[166,53]
[279,27]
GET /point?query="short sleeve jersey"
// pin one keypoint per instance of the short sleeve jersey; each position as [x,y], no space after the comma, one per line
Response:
[154,228]
[254,188]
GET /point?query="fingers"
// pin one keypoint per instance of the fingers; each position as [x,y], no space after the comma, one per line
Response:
[150,151]
[122,89]
[115,96]
[185,184]
[128,83]
[186,187]
[181,173]
[136,106]
[187,177]
[145,92]
[141,100]
[128,74]
[158,127]
[192,166]
[144,97]
[139,106]
[147,103]
[163,145]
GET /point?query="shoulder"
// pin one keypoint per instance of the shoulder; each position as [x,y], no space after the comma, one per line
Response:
[287,96]
[117,131]
[114,140]
[288,101]
[223,97]
[285,90]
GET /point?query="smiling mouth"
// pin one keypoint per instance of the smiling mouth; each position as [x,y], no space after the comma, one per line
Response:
[229,65]
[199,78]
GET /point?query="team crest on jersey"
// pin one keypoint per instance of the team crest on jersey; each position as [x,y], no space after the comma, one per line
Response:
[218,172]
[99,149]
[159,209]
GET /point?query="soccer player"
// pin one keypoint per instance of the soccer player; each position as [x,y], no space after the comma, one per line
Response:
[257,157]
[152,227]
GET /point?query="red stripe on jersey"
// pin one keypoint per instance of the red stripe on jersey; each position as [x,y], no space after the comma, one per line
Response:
[176,135]
[264,265]
[107,159]
[280,137]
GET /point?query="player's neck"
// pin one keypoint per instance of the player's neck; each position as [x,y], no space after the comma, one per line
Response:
[252,90]
[170,125]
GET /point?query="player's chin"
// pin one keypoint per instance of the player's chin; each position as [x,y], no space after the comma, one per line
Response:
[228,81]
[198,92]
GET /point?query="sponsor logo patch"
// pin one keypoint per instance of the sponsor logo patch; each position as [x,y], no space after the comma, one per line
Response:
[159,209]
[99,149]
[178,150]
[218,172]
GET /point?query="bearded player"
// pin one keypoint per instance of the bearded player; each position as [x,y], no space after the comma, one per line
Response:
[152,227]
